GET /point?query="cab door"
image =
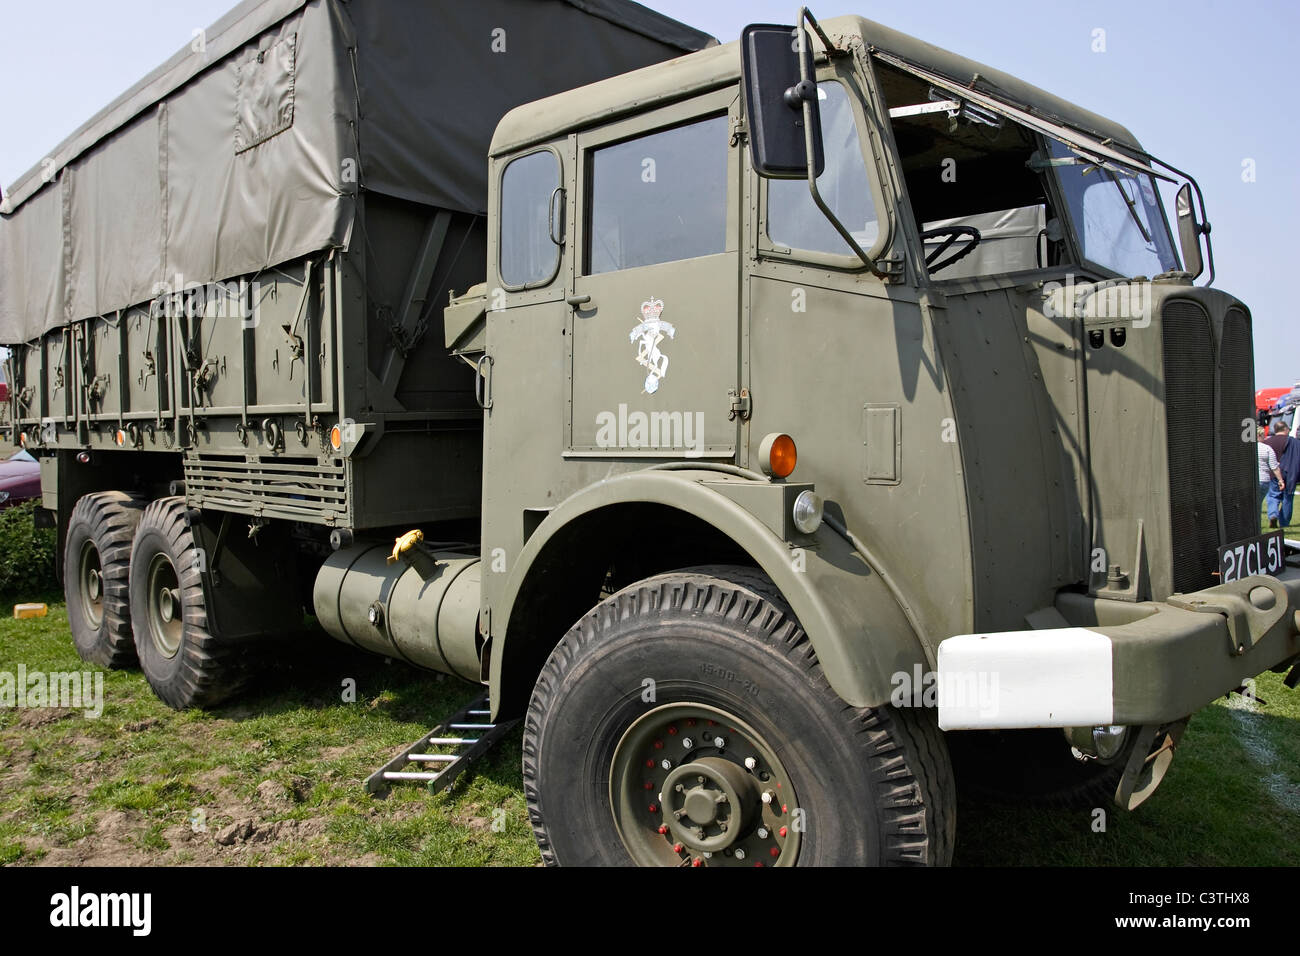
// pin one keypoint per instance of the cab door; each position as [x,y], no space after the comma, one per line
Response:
[655,301]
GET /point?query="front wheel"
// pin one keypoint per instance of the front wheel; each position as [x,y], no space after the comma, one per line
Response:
[685,721]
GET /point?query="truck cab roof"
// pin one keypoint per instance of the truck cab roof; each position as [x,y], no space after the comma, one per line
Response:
[717,66]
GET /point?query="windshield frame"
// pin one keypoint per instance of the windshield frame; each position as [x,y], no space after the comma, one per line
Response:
[1075,233]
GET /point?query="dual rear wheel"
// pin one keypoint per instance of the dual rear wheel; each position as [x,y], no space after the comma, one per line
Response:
[133,582]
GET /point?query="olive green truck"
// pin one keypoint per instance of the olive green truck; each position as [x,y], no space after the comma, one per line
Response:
[786,431]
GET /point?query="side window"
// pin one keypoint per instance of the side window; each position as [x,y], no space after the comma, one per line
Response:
[659,198]
[793,219]
[528,253]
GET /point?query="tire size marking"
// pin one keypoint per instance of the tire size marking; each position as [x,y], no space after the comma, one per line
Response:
[722,673]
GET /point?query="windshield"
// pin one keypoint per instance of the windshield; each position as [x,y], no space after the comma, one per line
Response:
[1117,217]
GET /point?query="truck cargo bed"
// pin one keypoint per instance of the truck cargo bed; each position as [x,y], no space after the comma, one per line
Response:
[243,260]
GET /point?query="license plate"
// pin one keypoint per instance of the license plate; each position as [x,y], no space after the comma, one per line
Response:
[1265,554]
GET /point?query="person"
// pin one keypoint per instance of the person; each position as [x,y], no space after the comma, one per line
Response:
[1281,494]
[1269,472]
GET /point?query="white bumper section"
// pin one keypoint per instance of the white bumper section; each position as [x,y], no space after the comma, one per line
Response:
[1060,677]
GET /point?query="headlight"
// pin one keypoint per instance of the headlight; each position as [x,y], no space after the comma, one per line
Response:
[1109,740]
[808,512]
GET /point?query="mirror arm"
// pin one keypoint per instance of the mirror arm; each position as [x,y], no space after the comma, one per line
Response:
[810,82]
[1204,222]
[805,15]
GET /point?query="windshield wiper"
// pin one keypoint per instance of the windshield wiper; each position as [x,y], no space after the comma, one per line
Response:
[1132,207]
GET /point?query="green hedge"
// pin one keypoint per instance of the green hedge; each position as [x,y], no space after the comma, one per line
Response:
[26,554]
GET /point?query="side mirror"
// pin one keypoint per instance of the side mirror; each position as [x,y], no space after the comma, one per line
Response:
[1189,231]
[781,101]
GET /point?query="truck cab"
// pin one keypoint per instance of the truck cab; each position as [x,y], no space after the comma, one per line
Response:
[972,350]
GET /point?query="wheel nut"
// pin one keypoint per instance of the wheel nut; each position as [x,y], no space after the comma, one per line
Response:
[783,831]
[719,742]
[677,848]
[740,854]
[768,796]
[750,763]
[663,828]
[762,833]
[687,743]
[667,764]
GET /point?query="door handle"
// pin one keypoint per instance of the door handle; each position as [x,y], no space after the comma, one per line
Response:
[483,382]
[557,238]
[578,300]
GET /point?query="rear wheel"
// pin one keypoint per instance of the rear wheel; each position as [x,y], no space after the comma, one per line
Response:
[185,663]
[96,558]
[685,721]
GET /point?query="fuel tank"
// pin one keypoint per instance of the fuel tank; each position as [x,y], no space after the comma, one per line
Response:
[422,609]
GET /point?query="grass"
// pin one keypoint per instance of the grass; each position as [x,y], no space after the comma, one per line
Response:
[143,784]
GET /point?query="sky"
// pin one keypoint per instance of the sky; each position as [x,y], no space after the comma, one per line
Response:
[1204,84]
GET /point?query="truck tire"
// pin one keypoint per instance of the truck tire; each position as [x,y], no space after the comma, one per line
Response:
[700,685]
[96,558]
[185,663]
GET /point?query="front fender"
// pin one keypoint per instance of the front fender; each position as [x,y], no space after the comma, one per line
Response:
[860,634]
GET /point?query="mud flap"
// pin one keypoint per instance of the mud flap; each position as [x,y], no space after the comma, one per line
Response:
[1147,765]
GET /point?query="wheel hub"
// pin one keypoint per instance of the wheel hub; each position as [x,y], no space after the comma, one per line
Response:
[91,576]
[168,600]
[709,803]
[694,785]
[164,599]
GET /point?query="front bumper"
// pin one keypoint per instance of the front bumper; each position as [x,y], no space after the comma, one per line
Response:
[1111,662]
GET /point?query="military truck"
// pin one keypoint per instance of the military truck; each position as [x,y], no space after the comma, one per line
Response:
[814,420]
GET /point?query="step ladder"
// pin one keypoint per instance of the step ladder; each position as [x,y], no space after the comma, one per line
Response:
[450,747]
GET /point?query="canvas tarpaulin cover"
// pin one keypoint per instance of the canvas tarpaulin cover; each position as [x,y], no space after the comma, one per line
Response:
[248,148]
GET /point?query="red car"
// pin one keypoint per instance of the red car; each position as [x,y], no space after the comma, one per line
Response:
[20,479]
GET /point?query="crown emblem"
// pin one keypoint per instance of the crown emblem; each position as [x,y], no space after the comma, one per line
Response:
[646,336]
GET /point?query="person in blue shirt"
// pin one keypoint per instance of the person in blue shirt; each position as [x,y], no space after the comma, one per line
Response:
[1282,499]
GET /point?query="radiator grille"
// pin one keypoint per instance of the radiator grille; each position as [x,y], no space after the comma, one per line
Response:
[1190,422]
[1239,465]
[298,489]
